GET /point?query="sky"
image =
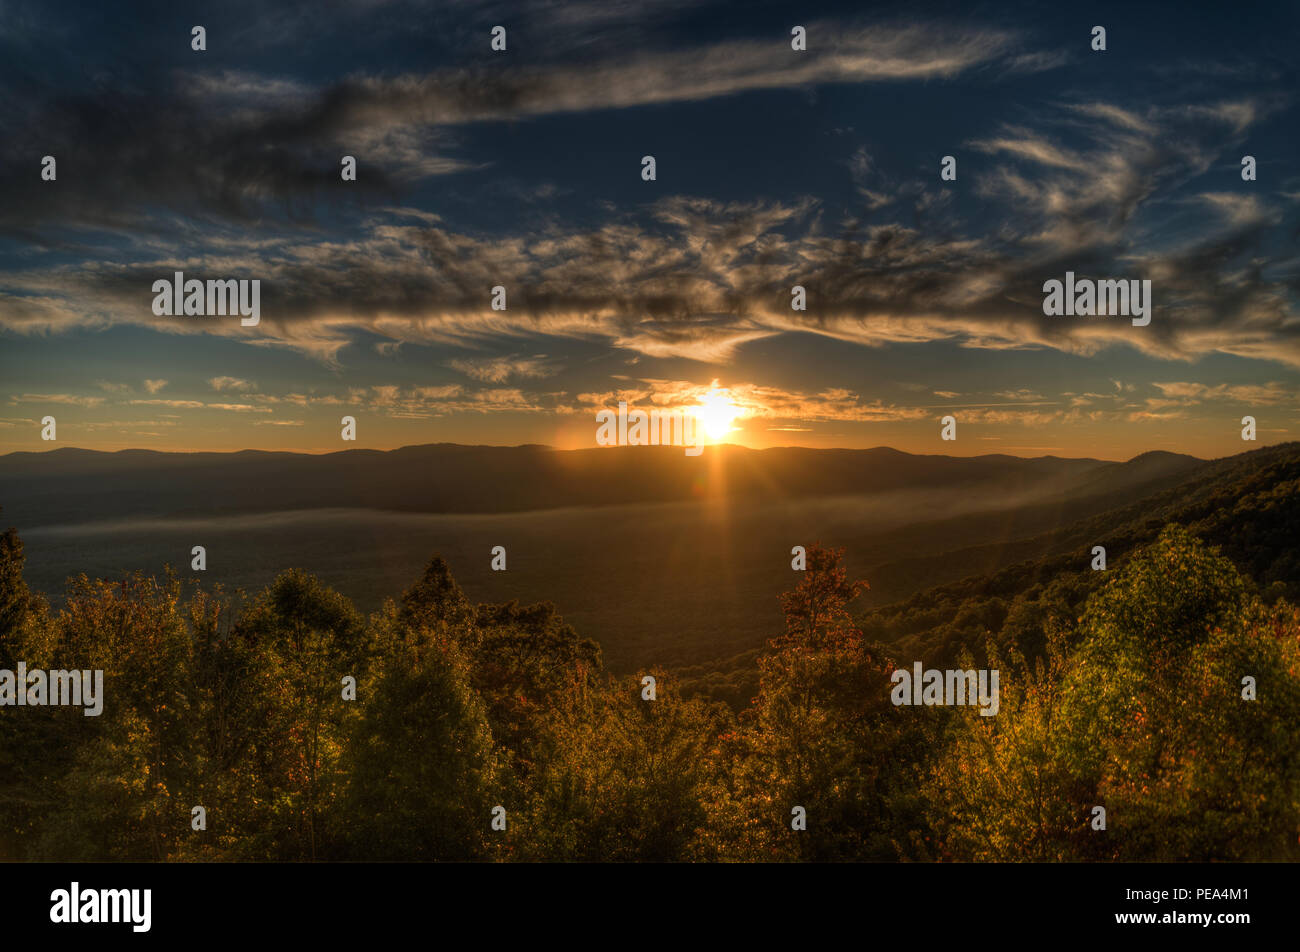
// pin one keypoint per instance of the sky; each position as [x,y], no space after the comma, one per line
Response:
[774,167]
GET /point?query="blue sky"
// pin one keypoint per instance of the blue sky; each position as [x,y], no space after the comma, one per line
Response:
[774,168]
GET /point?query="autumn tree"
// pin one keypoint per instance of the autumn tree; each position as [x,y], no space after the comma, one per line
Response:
[124,795]
[32,754]
[625,777]
[822,735]
[1006,787]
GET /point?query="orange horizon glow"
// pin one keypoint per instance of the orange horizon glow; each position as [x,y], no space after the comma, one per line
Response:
[716,414]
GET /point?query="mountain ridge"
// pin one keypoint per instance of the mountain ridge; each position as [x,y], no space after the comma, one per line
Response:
[66,484]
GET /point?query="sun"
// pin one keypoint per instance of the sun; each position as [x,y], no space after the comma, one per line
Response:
[715,413]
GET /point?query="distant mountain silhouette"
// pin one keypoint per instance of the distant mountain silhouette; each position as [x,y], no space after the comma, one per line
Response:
[72,485]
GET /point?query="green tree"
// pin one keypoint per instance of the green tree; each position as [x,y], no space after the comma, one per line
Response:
[307,638]
[422,767]
[1145,717]
[1156,697]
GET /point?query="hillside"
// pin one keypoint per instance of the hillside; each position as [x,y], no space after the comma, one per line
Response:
[1015,581]
[1247,505]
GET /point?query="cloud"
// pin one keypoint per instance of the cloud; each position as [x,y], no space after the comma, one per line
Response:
[754,401]
[1186,393]
[153,386]
[709,279]
[501,369]
[844,54]
[404,402]
[96,425]
[233,384]
[63,398]
[1022,393]
[199,405]
[245,146]
[704,279]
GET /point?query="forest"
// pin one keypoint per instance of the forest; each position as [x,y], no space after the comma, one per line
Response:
[492,732]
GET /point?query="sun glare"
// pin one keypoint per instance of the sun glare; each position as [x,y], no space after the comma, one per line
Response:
[716,413]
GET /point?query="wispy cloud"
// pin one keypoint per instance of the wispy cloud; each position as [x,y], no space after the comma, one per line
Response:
[501,369]
[69,399]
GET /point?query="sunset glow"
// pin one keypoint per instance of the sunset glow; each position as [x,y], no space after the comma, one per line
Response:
[716,414]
